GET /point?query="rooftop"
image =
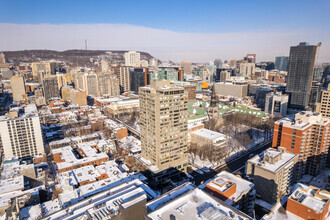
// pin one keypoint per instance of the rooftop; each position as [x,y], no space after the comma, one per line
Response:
[210,135]
[242,186]
[191,203]
[265,159]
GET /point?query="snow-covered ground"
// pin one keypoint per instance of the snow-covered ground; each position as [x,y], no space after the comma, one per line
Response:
[235,149]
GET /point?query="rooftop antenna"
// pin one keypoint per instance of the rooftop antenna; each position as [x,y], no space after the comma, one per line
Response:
[85,44]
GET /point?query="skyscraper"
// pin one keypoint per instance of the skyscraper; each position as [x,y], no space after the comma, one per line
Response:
[300,75]
[17,87]
[164,125]
[50,87]
[281,63]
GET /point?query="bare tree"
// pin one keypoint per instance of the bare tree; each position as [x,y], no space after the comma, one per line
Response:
[193,150]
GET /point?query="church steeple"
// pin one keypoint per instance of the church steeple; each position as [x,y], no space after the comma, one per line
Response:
[212,110]
[213,102]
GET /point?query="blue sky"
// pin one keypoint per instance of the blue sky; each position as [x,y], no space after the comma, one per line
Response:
[303,20]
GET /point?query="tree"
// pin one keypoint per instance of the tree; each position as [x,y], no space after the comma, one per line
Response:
[193,150]
[211,124]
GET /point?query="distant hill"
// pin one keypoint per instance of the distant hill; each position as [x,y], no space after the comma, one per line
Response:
[85,58]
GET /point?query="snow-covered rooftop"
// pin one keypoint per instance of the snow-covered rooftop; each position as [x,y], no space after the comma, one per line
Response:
[193,203]
[211,135]
[285,158]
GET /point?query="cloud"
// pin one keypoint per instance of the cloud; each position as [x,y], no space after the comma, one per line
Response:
[163,44]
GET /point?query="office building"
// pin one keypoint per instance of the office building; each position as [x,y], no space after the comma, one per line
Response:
[78,97]
[234,191]
[305,134]
[108,84]
[300,74]
[138,77]
[277,104]
[237,89]
[281,63]
[50,87]
[189,202]
[124,81]
[17,84]
[324,105]
[167,74]
[164,125]
[186,66]
[21,133]
[132,58]
[272,172]
[260,97]
[247,69]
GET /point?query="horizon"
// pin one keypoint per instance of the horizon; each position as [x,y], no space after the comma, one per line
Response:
[177,31]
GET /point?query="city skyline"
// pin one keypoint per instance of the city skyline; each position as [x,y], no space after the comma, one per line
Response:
[199,32]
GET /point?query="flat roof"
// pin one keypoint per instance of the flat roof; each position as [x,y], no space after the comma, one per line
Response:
[286,159]
[210,135]
[194,204]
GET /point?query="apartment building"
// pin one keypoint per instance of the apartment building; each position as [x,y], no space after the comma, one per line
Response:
[272,172]
[304,202]
[124,82]
[50,87]
[21,133]
[324,105]
[132,58]
[108,84]
[17,84]
[308,204]
[78,97]
[234,191]
[164,125]
[305,134]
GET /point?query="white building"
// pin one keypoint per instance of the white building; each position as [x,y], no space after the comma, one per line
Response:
[247,69]
[276,104]
[21,134]
[132,58]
